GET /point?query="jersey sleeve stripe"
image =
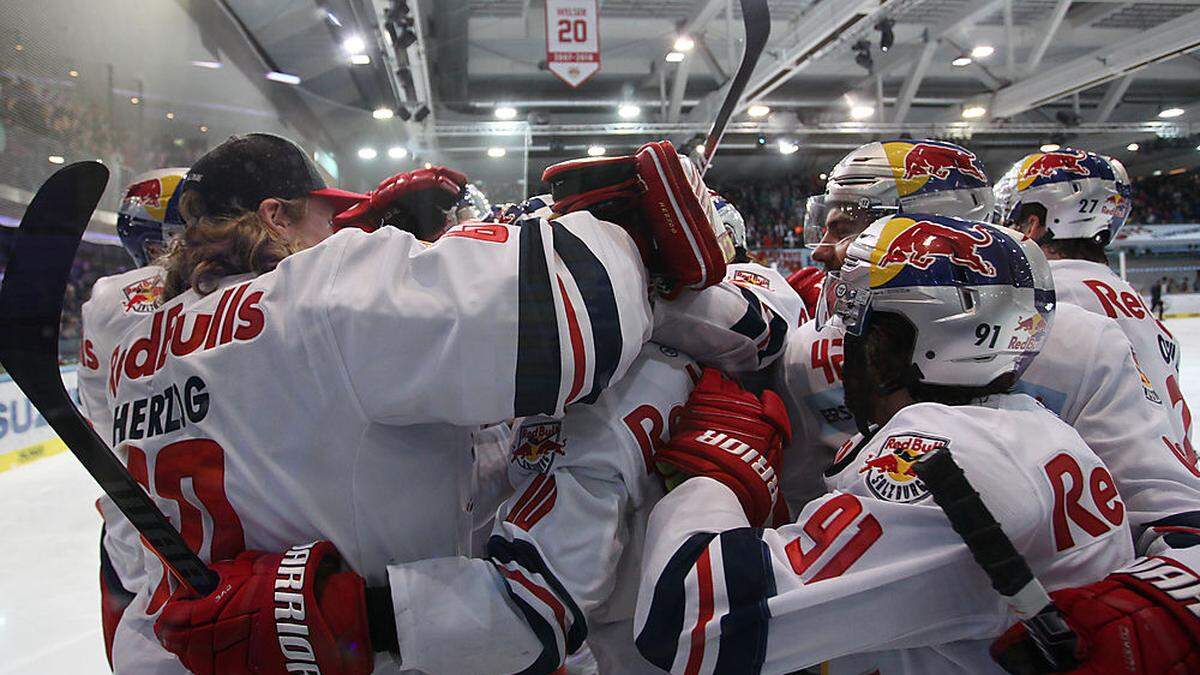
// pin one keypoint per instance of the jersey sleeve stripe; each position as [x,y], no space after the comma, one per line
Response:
[749,582]
[751,325]
[537,501]
[776,338]
[578,356]
[539,363]
[660,635]
[704,614]
[599,301]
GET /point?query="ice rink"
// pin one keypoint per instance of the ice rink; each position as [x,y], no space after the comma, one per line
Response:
[49,603]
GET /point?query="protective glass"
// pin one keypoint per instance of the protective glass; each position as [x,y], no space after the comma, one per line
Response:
[844,304]
[829,220]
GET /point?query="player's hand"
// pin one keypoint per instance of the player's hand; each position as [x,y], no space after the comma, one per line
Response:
[1125,625]
[660,198]
[271,611]
[731,435]
[806,281]
[415,201]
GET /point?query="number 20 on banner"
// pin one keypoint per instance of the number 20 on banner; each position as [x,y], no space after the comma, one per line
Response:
[572,39]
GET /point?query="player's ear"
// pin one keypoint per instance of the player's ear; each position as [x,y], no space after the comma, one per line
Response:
[272,214]
[1031,225]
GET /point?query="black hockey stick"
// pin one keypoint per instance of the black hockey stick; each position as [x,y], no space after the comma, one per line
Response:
[31,302]
[756,18]
[994,551]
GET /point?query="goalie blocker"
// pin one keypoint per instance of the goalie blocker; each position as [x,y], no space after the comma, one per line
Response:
[660,198]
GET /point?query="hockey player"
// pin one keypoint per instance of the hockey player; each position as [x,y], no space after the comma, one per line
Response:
[326,388]
[147,220]
[1073,203]
[872,577]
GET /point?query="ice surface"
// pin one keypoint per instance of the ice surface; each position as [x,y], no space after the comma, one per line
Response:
[49,543]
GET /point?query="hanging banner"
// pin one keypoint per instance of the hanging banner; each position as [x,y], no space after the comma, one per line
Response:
[573,39]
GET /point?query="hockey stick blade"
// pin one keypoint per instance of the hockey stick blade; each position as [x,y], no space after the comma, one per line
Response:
[1005,567]
[31,301]
[756,18]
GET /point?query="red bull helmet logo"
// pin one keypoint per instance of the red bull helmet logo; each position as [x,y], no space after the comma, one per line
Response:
[889,469]
[922,243]
[1046,166]
[939,161]
[537,444]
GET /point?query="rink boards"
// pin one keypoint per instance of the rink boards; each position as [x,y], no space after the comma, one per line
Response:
[24,435]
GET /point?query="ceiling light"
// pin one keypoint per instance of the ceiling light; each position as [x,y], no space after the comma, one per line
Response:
[1133,147]
[761,140]
[354,44]
[788,147]
[360,59]
[684,43]
[428,165]
[134,100]
[758,110]
[19,47]
[961,62]
[333,18]
[56,159]
[1158,172]
[596,150]
[506,112]
[170,115]
[861,112]
[367,153]
[203,129]
[286,78]
[383,113]
[700,148]
[675,57]
[397,152]
[629,111]
[887,36]
[1050,147]
[824,176]
[496,153]
[73,73]
[982,51]
[1171,113]
[973,112]
[211,65]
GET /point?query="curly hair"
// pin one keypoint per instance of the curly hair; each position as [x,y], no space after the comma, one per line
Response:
[212,248]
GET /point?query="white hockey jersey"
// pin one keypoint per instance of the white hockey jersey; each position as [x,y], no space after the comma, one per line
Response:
[1085,374]
[1098,289]
[565,554]
[738,326]
[871,577]
[335,397]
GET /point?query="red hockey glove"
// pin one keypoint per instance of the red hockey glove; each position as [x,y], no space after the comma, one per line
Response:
[1136,621]
[731,435]
[414,201]
[661,200]
[806,281]
[273,614]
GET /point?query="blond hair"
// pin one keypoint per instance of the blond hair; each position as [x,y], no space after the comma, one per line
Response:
[214,247]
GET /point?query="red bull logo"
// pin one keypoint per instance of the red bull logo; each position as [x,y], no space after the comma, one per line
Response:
[1049,163]
[891,474]
[144,295]
[537,444]
[938,161]
[923,242]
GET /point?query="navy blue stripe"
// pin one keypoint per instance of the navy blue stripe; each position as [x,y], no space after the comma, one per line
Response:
[600,302]
[115,588]
[503,551]
[1180,539]
[660,636]
[749,582]
[751,325]
[779,329]
[539,364]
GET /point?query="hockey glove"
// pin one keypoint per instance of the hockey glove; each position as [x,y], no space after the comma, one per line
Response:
[273,614]
[806,281]
[661,200]
[415,201]
[1136,621]
[731,435]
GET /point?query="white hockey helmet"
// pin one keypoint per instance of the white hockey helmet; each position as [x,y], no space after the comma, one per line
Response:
[734,223]
[902,176]
[979,297]
[148,217]
[1085,195]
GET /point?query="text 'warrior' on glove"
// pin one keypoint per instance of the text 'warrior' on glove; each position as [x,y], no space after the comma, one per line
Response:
[728,434]
[271,613]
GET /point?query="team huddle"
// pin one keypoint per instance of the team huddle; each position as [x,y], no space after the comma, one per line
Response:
[416,432]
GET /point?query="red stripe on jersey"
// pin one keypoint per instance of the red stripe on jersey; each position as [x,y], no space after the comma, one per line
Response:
[541,593]
[704,585]
[576,342]
[1157,528]
[535,503]
[527,494]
